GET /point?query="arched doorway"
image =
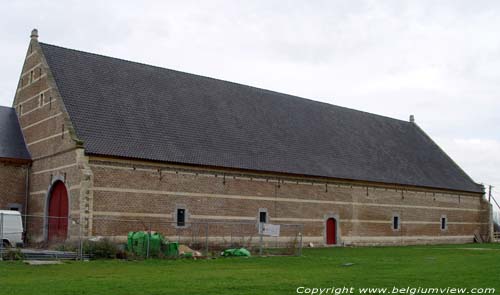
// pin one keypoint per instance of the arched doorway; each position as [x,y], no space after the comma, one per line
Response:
[58,212]
[331,231]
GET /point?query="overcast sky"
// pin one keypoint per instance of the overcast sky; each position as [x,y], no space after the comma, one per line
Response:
[438,60]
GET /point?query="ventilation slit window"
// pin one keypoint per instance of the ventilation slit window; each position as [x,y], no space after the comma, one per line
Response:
[444,223]
[181,217]
[395,222]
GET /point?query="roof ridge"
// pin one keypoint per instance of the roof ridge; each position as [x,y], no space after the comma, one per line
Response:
[152,113]
[226,81]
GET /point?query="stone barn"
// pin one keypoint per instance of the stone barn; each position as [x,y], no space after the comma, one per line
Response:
[91,136]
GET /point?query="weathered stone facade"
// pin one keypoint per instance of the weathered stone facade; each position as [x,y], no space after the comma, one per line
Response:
[49,135]
[125,189]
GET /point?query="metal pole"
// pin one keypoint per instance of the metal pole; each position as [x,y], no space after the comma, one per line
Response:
[260,239]
[149,236]
[26,196]
[300,244]
[206,239]
[80,250]
[1,236]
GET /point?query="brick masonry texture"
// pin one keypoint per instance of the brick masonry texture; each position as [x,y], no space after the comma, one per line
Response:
[363,211]
[12,184]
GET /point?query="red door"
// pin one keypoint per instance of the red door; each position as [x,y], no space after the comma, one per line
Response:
[331,231]
[58,213]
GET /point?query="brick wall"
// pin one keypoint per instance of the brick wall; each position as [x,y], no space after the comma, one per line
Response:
[12,185]
[153,191]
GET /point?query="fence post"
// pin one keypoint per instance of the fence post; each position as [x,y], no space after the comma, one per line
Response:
[300,244]
[261,239]
[1,236]
[80,247]
[231,238]
[149,237]
[206,239]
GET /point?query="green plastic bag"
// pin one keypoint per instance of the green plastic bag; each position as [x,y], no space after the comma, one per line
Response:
[171,249]
[130,242]
[187,255]
[241,252]
[138,243]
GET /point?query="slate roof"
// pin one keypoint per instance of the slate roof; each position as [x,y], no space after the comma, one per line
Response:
[12,145]
[127,109]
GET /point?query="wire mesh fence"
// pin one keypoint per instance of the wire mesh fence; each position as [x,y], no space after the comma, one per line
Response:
[44,237]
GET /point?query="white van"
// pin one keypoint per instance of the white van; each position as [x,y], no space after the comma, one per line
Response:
[11,232]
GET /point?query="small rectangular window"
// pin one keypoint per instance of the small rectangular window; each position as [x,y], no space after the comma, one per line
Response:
[395,222]
[181,217]
[41,99]
[443,223]
[263,218]
[31,76]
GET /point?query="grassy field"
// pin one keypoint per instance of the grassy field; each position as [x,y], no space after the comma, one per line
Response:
[469,266]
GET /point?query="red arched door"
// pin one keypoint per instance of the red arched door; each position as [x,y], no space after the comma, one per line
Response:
[58,213]
[331,231]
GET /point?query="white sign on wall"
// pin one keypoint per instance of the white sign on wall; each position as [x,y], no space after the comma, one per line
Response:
[268,229]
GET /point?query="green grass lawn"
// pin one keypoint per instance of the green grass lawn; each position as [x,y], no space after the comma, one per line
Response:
[469,266]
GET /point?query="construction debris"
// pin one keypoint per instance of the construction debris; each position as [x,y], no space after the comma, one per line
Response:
[42,262]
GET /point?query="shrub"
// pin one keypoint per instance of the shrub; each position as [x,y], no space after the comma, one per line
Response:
[13,254]
[67,247]
[103,248]
[123,254]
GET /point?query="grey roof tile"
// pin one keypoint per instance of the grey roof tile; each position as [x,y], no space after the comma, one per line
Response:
[12,145]
[127,109]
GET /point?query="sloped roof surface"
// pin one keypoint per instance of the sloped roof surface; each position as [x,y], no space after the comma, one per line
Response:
[127,109]
[12,144]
